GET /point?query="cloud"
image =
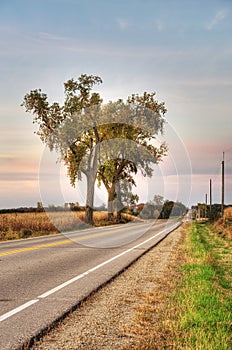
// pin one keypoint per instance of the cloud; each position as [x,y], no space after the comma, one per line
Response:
[50,36]
[15,165]
[123,23]
[159,25]
[220,15]
[19,177]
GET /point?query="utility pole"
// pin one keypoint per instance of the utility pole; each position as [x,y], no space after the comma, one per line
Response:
[210,196]
[223,184]
[206,205]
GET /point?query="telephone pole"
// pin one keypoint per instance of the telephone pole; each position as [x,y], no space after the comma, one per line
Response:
[206,205]
[210,196]
[223,184]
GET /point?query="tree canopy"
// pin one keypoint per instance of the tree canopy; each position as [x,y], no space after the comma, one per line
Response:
[110,142]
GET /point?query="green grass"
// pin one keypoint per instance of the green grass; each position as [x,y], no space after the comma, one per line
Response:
[203,299]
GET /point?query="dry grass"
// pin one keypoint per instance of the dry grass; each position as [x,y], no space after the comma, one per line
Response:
[23,225]
[228,213]
[228,222]
[189,308]
[151,327]
[223,226]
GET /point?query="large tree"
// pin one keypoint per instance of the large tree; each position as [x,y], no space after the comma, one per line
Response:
[132,132]
[113,141]
[71,129]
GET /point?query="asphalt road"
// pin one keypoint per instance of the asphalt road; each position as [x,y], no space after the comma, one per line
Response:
[43,278]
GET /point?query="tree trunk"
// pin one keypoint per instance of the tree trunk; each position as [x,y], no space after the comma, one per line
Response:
[119,206]
[111,196]
[119,215]
[89,200]
[91,175]
[89,215]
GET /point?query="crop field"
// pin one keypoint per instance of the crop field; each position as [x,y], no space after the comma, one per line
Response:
[23,225]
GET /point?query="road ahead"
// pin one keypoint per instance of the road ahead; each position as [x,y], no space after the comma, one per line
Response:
[42,278]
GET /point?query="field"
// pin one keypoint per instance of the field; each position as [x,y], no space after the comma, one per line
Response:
[23,225]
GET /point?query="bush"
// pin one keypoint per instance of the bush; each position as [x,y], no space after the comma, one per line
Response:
[25,233]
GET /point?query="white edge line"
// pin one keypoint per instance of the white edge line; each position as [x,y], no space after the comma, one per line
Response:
[74,279]
[18,309]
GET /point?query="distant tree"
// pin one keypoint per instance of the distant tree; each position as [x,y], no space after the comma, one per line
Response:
[148,211]
[158,200]
[151,210]
[179,209]
[166,209]
[201,210]
[215,212]
[171,208]
[40,207]
[74,206]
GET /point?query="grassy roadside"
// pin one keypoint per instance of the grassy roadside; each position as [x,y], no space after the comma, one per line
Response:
[192,308]
[203,299]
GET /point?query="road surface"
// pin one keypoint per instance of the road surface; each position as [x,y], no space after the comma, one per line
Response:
[43,278]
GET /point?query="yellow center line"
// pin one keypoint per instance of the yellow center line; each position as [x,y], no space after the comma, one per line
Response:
[67,241]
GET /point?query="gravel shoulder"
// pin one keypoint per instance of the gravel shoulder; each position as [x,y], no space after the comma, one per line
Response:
[111,318]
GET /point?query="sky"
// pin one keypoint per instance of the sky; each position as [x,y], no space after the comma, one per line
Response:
[182,50]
